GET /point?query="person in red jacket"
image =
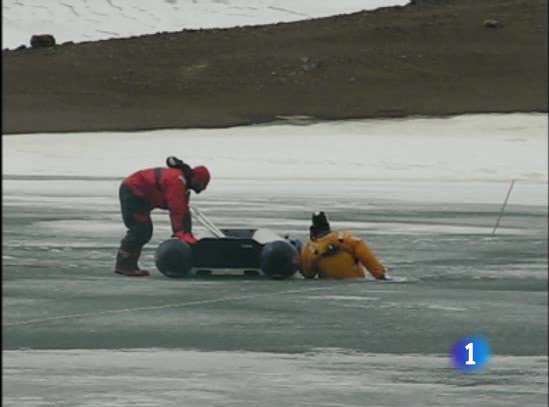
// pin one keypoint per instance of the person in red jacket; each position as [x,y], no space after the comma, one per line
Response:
[164,188]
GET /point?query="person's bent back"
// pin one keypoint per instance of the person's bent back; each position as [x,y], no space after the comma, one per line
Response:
[164,188]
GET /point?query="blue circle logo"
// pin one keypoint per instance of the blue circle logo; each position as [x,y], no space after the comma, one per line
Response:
[470,354]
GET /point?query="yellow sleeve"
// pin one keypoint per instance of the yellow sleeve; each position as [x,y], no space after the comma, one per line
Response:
[309,260]
[363,253]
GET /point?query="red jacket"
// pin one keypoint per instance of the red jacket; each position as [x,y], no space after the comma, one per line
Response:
[164,188]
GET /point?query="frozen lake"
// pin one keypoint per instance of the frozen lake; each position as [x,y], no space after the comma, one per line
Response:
[425,193]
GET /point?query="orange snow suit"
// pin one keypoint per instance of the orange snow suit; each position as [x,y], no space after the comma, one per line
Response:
[339,255]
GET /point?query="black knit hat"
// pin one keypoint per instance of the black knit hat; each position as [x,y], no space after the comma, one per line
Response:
[320,224]
[174,162]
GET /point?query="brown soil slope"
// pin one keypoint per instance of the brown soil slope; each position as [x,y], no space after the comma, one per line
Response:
[431,58]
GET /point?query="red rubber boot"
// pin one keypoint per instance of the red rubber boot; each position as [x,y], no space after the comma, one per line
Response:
[126,264]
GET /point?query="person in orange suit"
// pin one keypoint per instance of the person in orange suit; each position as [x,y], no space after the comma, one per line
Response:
[338,255]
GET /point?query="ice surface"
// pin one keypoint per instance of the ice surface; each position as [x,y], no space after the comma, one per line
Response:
[86,20]
[325,377]
[113,341]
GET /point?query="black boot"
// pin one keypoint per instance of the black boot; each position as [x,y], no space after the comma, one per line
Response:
[126,263]
[135,259]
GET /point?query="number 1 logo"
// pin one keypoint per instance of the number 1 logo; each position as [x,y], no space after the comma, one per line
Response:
[470,361]
[470,354]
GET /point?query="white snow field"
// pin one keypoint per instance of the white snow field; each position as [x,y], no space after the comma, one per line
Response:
[466,159]
[89,20]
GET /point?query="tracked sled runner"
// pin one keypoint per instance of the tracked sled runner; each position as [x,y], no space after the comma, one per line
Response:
[259,251]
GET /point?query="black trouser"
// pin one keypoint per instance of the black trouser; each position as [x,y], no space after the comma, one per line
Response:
[136,214]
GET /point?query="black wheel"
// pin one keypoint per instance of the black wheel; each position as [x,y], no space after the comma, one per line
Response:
[174,258]
[279,259]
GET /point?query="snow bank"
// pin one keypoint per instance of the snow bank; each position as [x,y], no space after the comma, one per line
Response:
[86,20]
[492,147]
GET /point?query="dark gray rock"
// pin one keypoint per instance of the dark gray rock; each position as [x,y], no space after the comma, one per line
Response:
[42,41]
[492,23]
